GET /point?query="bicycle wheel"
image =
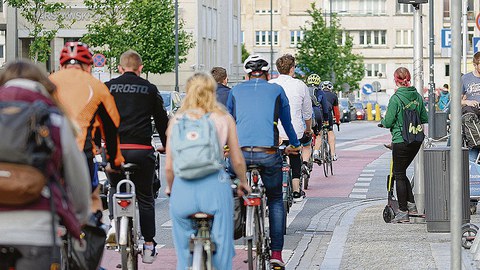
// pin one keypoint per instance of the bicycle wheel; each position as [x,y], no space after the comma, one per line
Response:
[259,239]
[128,253]
[198,261]
[328,161]
[250,236]
[325,154]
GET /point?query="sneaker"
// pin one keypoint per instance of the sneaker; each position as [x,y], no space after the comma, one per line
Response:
[401,217]
[276,259]
[111,238]
[297,197]
[412,208]
[335,157]
[305,169]
[149,255]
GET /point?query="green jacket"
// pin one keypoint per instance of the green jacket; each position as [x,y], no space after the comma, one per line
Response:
[394,116]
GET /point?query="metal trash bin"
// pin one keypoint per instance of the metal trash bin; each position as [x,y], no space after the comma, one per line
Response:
[437,188]
[440,125]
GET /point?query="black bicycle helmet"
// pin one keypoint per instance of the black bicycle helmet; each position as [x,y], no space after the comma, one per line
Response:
[255,63]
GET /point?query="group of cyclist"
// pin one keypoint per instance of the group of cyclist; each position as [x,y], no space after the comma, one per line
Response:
[262,114]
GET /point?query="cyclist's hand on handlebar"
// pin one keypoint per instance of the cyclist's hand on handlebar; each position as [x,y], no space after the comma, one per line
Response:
[167,191]
[112,169]
[161,149]
[292,150]
[243,189]
[325,124]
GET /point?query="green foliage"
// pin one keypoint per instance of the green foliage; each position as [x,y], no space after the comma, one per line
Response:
[147,27]
[319,52]
[34,12]
[245,53]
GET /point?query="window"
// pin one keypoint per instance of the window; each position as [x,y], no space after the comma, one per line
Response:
[404,9]
[446,9]
[447,70]
[263,38]
[405,38]
[339,6]
[375,70]
[373,37]
[2,55]
[342,38]
[295,37]
[373,7]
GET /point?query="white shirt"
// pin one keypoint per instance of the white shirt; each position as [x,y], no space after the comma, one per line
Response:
[300,103]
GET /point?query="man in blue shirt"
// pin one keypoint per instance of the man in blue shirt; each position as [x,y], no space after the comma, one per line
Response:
[256,106]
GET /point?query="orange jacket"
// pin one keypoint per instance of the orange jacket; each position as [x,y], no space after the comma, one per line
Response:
[88,102]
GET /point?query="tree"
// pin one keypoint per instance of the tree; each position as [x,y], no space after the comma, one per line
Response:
[106,33]
[320,52]
[245,53]
[34,12]
[147,27]
[151,26]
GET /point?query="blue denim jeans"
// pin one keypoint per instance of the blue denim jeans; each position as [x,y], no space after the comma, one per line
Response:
[271,173]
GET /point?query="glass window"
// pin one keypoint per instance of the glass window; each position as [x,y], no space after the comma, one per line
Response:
[447,70]
[295,37]
[373,37]
[339,6]
[404,38]
[404,9]
[2,55]
[374,70]
[446,9]
[373,7]
[263,38]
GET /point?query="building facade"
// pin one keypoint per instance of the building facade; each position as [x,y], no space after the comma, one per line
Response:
[382,32]
[214,25]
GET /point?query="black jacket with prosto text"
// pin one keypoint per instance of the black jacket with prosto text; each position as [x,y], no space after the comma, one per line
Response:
[137,101]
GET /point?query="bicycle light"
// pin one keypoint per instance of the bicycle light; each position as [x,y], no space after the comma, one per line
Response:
[285,169]
[124,203]
[252,201]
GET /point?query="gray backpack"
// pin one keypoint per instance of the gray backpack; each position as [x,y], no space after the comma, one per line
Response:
[195,148]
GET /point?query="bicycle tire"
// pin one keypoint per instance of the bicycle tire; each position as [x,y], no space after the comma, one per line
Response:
[251,260]
[259,227]
[129,256]
[305,183]
[198,261]
[324,154]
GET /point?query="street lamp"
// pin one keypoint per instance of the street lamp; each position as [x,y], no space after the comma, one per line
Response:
[176,46]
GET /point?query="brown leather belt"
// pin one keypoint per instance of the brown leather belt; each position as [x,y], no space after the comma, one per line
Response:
[266,150]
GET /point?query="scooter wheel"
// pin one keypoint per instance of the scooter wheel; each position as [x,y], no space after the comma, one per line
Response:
[388,214]
[468,235]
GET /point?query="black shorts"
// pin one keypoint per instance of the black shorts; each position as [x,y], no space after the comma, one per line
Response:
[295,162]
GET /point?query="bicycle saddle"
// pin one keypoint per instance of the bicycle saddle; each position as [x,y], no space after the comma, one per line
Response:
[253,166]
[129,167]
[201,215]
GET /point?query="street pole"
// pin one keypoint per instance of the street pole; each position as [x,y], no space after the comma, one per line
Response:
[176,47]
[456,177]
[465,34]
[271,36]
[431,89]
[419,187]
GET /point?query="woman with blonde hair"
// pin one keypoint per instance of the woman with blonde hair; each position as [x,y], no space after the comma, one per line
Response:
[212,193]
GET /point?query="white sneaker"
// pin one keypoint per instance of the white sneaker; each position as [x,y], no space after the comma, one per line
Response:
[149,255]
[111,238]
[335,157]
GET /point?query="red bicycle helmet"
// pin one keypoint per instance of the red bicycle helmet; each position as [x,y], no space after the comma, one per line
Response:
[76,51]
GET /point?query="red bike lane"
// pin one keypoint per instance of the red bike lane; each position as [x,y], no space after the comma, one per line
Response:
[346,169]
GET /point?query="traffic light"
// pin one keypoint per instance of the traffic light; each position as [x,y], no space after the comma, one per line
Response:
[412,1]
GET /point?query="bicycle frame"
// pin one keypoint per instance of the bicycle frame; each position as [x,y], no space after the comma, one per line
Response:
[201,245]
[255,223]
[126,222]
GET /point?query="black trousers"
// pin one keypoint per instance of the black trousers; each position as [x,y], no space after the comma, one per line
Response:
[143,180]
[403,156]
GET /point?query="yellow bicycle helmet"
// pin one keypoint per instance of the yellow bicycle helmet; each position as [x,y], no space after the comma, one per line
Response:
[313,80]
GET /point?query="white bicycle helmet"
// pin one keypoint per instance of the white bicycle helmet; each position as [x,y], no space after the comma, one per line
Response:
[255,63]
[327,85]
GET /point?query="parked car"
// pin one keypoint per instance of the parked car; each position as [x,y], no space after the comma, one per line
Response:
[360,111]
[347,110]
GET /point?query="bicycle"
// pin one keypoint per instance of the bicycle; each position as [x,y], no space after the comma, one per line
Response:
[126,221]
[325,153]
[255,231]
[306,174]
[202,247]
[287,189]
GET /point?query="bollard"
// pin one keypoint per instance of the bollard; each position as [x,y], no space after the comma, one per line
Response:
[369,111]
[378,115]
